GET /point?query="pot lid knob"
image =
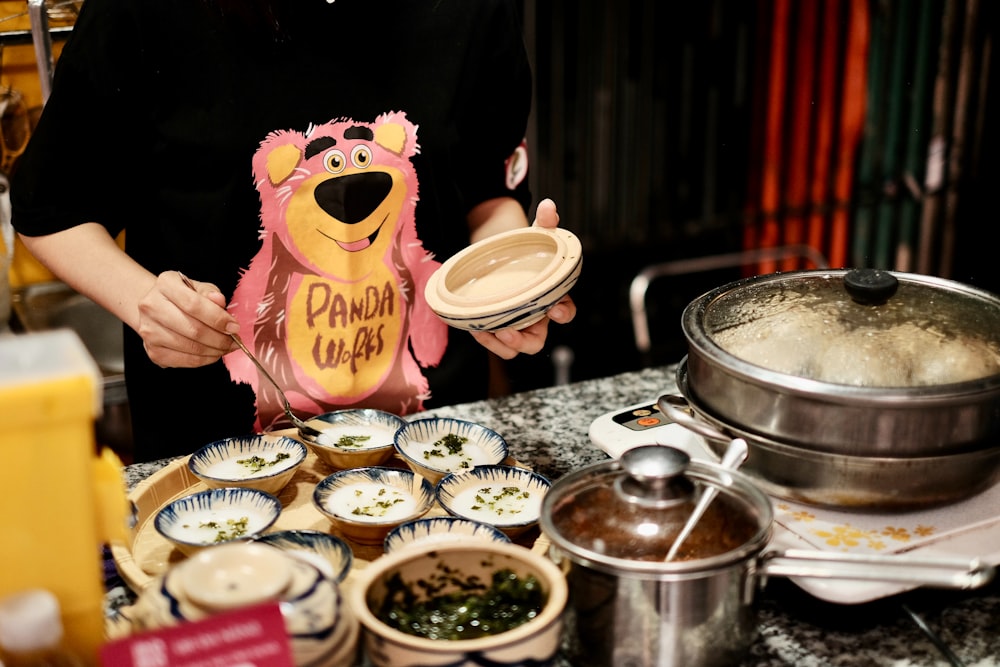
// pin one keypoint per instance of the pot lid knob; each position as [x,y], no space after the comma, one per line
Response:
[870,287]
[655,475]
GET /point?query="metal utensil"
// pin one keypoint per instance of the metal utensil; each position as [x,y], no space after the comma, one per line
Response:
[736,454]
[305,430]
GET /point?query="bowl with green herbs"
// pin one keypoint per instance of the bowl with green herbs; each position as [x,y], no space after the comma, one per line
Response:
[216,516]
[265,462]
[506,497]
[354,438]
[364,504]
[435,446]
[473,602]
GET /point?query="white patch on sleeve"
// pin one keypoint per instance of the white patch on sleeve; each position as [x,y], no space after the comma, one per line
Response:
[517,166]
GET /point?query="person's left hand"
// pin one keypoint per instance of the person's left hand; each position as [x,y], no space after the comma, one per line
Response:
[508,343]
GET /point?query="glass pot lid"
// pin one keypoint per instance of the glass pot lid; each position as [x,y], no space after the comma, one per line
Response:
[626,514]
[861,327]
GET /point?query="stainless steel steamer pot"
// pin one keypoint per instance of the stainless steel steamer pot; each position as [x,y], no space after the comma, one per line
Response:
[840,481]
[831,360]
[611,524]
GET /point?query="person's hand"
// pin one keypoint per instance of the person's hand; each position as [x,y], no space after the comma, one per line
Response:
[508,343]
[184,323]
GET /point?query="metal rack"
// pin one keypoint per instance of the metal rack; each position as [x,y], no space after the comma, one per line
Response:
[41,37]
[41,34]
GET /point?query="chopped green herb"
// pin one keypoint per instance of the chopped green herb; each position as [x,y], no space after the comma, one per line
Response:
[353,441]
[471,610]
[378,506]
[257,463]
[449,445]
[234,528]
[487,499]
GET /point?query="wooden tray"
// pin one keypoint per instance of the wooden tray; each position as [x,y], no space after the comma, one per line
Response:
[148,554]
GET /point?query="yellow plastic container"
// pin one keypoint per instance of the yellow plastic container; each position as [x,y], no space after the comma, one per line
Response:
[55,506]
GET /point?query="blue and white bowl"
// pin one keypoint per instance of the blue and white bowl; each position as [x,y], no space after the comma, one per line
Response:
[354,438]
[435,529]
[436,446]
[319,624]
[506,280]
[364,504]
[328,553]
[216,516]
[264,462]
[507,497]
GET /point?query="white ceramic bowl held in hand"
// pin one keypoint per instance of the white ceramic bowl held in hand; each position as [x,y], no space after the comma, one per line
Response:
[436,575]
[510,279]
[264,462]
[320,626]
[436,446]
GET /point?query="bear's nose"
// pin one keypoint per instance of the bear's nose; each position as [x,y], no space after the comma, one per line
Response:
[352,198]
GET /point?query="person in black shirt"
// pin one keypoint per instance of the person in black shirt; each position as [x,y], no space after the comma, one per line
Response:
[306,165]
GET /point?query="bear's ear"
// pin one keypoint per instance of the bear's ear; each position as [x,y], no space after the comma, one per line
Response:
[281,162]
[391,136]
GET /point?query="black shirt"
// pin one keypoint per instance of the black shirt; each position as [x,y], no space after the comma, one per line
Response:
[157,113]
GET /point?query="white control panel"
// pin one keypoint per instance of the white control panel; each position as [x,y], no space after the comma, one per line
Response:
[643,424]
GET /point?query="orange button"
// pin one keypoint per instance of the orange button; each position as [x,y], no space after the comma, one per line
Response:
[648,421]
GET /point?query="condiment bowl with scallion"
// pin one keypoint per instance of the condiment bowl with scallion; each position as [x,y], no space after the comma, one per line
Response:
[460,603]
[507,497]
[354,438]
[364,504]
[435,446]
[264,462]
[216,516]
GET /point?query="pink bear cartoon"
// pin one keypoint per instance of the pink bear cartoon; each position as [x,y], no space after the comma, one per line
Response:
[332,299]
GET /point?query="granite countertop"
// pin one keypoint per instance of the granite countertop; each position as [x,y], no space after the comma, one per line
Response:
[548,430]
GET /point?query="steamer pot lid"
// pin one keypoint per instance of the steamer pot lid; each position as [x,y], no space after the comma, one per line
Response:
[860,327]
[632,509]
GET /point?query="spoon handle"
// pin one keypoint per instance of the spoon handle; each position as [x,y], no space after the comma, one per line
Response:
[735,454]
[299,424]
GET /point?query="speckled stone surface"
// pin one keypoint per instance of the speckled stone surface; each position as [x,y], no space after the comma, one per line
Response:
[548,430]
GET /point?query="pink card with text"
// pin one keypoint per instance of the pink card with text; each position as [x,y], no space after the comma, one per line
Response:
[249,637]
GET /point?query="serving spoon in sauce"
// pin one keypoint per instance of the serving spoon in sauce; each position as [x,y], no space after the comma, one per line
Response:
[735,455]
[305,430]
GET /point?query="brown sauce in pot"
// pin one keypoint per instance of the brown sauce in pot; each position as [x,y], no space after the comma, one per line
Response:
[636,532]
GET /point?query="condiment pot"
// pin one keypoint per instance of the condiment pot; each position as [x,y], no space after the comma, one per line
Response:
[611,524]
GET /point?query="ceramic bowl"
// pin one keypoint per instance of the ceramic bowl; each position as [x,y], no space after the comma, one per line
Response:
[264,462]
[510,279]
[215,516]
[436,446]
[434,570]
[507,497]
[439,529]
[328,553]
[364,504]
[321,628]
[355,438]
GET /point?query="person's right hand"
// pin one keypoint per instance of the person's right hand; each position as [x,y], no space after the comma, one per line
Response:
[185,324]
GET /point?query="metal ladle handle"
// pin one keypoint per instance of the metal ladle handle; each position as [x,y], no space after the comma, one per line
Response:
[734,457]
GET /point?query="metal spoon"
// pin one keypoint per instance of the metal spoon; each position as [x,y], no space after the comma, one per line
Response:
[736,454]
[305,430]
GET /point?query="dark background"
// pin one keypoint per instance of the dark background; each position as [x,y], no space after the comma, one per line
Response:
[649,127]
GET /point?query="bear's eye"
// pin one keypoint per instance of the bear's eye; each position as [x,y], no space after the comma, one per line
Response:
[361,156]
[335,161]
